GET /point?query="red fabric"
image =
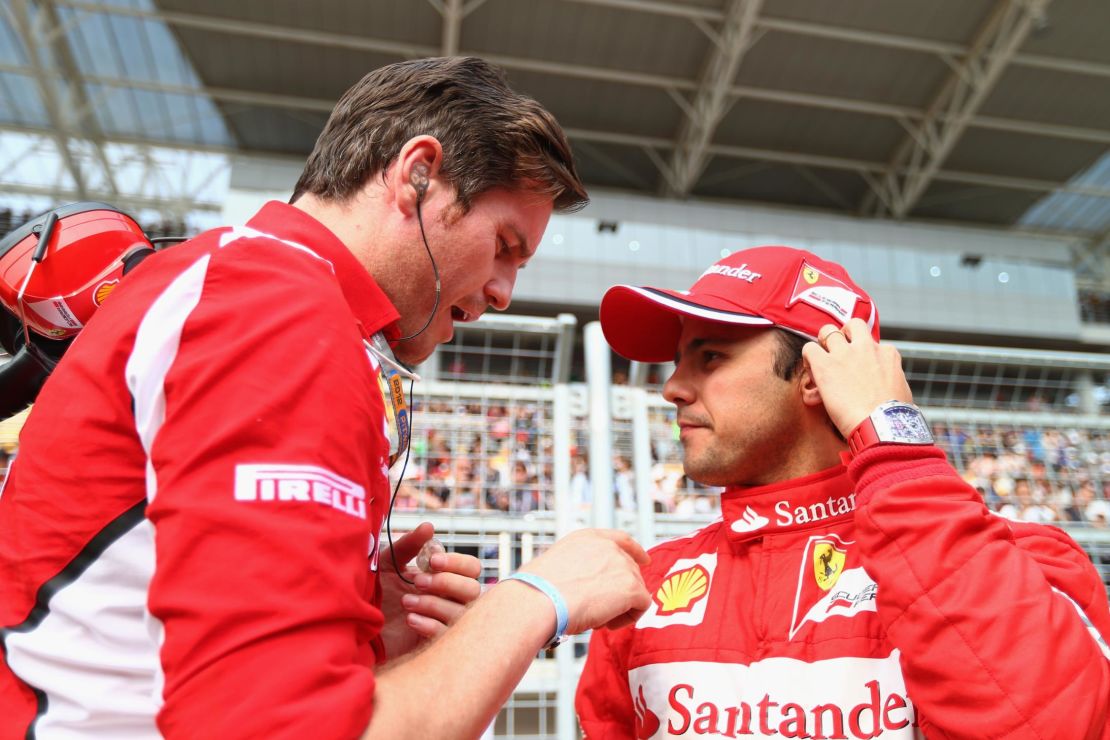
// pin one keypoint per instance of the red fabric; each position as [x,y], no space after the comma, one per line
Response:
[977,590]
[266,628]
[834,626]
[784,286]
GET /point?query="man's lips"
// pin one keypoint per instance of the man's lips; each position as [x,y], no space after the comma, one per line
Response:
[686,425]
[461,315]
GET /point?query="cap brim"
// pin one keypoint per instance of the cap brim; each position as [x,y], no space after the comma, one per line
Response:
[644,324]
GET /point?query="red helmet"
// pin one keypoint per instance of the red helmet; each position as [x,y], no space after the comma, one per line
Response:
[82,262]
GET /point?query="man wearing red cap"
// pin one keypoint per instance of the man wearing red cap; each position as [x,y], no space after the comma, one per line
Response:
[855,584]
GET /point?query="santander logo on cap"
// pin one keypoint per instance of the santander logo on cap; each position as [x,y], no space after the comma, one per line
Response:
[793,288]
[741,273]
[762,286]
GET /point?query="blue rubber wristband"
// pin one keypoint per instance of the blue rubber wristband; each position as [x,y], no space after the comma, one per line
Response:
[562,616]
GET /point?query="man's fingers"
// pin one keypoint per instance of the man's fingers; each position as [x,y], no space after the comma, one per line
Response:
[830,335]
[433,607]
[425,626]
[408,546]
[456,562]
[629,617]
[451,586]
[857,329]
[813,353]
[627,544]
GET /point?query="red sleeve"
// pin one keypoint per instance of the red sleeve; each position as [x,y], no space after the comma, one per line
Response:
[994,631]
[261,538]
[603,701]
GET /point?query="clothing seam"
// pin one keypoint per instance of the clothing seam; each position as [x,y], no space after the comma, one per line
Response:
[926,594]
[73,570]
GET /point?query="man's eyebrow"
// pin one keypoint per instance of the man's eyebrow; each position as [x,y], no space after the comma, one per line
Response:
[526,252]
[692,345]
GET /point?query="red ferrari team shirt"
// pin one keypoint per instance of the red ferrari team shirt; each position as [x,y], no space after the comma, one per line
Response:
[879,601]
[184,536]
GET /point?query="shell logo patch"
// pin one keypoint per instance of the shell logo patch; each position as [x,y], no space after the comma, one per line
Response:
[681,597]
[680,591]
[104,290]
[828,564]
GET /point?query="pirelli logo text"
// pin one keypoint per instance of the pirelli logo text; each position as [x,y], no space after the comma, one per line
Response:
[307,483]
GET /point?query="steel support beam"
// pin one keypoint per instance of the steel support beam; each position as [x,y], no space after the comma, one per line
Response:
[289,102]
[920,155]
[123,200]
[659,82]
[161,186]
[453,13]
[853,35]
[84,127]
[235,27]
[29,30]
[1092,262]
[659,7]
[712,99]
[22,128]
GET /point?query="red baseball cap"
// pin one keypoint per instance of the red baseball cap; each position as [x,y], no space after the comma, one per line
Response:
[763,286]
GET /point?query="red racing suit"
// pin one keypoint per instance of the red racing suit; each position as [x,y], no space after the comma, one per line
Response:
[878,600]
[184,534]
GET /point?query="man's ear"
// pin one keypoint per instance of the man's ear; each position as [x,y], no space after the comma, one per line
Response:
[412,176]
[811,396]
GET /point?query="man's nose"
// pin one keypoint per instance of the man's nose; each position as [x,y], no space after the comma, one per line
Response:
[677,390]
[499,290]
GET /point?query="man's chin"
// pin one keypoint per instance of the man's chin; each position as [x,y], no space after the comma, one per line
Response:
[707,473]
[412,352]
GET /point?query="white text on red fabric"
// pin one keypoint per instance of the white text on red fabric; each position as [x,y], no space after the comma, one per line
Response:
[306,483]
[832,699]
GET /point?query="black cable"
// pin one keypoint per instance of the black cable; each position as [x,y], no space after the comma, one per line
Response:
[435,271]
[396,488]
[412,408]
[168,239]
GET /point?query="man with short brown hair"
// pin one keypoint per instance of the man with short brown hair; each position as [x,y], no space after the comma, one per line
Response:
[855,585]
[184,539]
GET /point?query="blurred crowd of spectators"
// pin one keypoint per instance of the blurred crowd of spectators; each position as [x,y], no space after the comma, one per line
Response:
[493,457]
[479,456]
[1094,306]
[1034,474]
[496,457]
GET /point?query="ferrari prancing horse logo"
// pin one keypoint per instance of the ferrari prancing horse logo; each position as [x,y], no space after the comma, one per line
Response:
[828,563]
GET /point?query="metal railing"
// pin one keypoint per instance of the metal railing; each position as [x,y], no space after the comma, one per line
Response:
[500,465]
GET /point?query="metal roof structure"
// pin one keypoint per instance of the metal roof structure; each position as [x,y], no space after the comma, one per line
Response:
[989,112]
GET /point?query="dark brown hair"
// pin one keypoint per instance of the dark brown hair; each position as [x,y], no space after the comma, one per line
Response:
[788,362]
[788,356]
[491,136]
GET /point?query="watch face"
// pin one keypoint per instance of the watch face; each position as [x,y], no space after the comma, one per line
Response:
[905,424]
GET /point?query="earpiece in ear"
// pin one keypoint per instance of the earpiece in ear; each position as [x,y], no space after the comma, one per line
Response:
[419,180]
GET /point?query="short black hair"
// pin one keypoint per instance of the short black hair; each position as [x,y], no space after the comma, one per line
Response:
[788,358]
[788,361]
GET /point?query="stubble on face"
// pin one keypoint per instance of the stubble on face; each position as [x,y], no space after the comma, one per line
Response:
[751,453]
[746,417]
[465,242]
